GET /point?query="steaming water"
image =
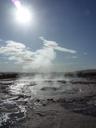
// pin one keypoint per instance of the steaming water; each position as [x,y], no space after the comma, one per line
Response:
[16,94]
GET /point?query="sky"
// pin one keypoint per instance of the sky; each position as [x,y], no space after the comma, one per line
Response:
[67,24]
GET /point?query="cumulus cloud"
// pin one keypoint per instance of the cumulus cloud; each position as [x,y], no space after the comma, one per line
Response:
[40,59]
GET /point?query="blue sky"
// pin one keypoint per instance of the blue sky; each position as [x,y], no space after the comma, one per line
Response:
[70,23]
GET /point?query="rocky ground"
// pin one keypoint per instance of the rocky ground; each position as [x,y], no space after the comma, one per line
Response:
[48,103]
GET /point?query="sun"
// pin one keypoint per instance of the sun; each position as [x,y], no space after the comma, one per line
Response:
[23,15]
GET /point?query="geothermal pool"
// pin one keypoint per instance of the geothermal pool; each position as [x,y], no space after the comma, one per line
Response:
[46,100]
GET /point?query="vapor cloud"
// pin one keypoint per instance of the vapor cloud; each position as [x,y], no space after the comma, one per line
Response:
[55,46]
[40,59]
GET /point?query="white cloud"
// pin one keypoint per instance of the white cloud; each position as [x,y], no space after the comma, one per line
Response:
[65,50]
[54,45]
[40,59]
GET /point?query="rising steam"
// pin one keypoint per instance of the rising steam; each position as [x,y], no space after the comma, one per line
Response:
[40,59]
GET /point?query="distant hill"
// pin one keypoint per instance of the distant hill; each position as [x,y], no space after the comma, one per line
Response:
[82,73]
